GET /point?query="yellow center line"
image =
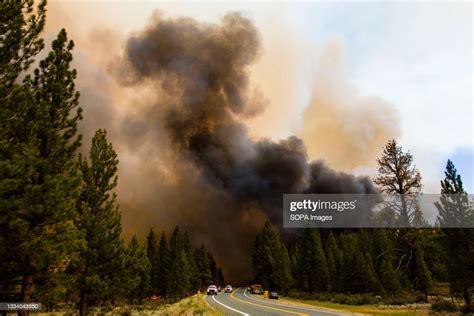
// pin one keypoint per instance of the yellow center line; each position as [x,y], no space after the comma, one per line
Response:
[265,306]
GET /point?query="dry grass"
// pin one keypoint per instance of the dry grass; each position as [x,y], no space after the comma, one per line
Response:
[190,306]
[386,310]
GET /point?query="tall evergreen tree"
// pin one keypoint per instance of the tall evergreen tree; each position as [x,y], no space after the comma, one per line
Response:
[423,281]
[20,26]
[136,271]
[454,207]
[397,175]
[190,256]
[388,277]
[180,274]
[213,267]
[271,262]
[312,264]
[201,257]
[455,211]
[348,246]
[334,262]
[164,264]
[153,258]
[39,182]
[384,252]
[282,271]
[176,243]
[263,256]
[100,221]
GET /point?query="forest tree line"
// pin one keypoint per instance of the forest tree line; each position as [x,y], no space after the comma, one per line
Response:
[385,262]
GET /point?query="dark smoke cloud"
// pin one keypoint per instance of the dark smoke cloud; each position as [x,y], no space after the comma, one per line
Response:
[201,76]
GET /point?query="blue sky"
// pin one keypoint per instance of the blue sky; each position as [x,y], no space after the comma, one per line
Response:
[418,56]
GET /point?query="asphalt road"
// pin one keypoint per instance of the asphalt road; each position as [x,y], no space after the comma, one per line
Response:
[242,303]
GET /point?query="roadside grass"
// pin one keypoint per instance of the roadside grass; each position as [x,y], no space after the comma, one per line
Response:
[194,305]
[403,310]
[191,306]
[369,309]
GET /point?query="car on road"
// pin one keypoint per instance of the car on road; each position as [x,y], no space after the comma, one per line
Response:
[228,289]
[212,290]
[273,296]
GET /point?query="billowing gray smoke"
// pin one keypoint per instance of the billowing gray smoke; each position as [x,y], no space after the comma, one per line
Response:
[200,73]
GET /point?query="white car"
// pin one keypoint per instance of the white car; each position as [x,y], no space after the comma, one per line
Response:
[212,290]
[228,289]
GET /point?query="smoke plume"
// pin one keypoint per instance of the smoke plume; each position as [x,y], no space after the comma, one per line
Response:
[341,126]
[200,75]
[176,105]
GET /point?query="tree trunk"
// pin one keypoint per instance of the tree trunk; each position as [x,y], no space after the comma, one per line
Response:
[83,304]
[26,290]
[404,216]
[467,296]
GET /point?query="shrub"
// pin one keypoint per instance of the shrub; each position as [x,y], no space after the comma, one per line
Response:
[466,309]
[444,306]
[355,299]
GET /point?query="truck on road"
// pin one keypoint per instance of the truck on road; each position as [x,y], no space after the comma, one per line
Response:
[256,289]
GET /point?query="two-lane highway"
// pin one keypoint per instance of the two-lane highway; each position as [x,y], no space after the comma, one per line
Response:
[242,303]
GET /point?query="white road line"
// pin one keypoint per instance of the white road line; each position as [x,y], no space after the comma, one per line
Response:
[228,307]
[207,303]
[293,306]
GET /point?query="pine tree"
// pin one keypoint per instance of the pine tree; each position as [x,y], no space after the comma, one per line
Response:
[39,182]
[294,255]
[19,44]
[137,271]
[370,273]
[348,246]
[176,243]
[455,211]
[189,249]
[214,269]
[201,257]
[384,256]
[334,261]
[388,277]
[100,220]
[20,27]
[271,263]
[312,264]
[363,274]
[153,258]
[282,270]
[423,281]
[179,256]
[398,176]
[262,256]
[454,207]
[179,276]
[164,264]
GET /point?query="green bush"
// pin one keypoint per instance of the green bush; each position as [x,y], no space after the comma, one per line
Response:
[466,309]
[444,306]
[355,299]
